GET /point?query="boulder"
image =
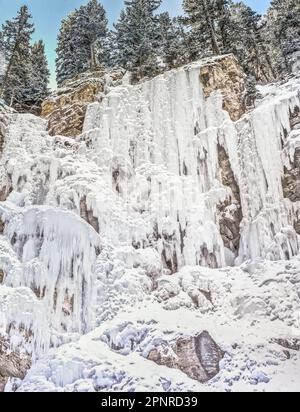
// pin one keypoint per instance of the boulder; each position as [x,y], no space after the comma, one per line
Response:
[198,357]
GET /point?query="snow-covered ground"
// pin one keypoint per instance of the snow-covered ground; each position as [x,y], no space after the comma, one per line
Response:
[111,242]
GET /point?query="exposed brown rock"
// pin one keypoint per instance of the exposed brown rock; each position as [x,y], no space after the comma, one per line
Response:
[198,357]
[229,218]
[65,109]
[2,132]
[297,227]
[1,276]
[291,177]
[87,215]
[4,192]
[68,305]
[12,363]
[1,227]
[295,118]
[291,184]
[208,259]
[225,75]
[38,291]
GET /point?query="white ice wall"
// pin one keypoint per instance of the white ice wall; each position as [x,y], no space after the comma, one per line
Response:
[146,166]
[162,138]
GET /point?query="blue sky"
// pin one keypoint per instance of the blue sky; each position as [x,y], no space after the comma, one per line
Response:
[47,15]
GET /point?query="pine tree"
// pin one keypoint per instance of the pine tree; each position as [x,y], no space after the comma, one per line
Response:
[16,35]
[250,91]
[172,38]
[284,27]
[137,38]
[38,87]
[82,41]
[92,25]
[248,44]
[209,23]
[66,64]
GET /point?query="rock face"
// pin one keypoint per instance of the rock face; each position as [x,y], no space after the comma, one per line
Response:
[87,215]
[296,62]
[65,109]
[291,179]
[291,344]
[230,211]
[12,364]
[226,76]
[198,357]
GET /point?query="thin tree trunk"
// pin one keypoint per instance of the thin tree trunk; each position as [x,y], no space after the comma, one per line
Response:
[214,42]
[93,57]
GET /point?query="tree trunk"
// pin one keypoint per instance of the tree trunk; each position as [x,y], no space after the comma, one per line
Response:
[213,35]
[93,57]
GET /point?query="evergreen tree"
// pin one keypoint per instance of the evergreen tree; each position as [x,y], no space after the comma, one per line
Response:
[15,41]
[82,41]
[209,23]
[92,32]
[250,92]
[137,38]
[248,43]
[283,26]
[172,41]
[66,64]
[38,87]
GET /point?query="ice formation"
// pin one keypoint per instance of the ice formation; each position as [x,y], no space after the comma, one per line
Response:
[164,218]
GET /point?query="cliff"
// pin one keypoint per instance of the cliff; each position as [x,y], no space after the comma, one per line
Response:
[165,235]
[65,108]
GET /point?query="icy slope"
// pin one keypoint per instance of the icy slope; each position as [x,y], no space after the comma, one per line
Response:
[255,317]
[114,242]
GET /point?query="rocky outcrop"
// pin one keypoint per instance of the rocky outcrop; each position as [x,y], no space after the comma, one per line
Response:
[65,109]
[290,344]
[291,178]
[87,214]
[198,357]
[230,211]
[297,226]
[295,62]
[224,75]
[12,364]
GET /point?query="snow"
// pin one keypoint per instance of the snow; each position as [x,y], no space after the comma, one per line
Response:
[20,313]
[250,310]
[56,254]
[97,300]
